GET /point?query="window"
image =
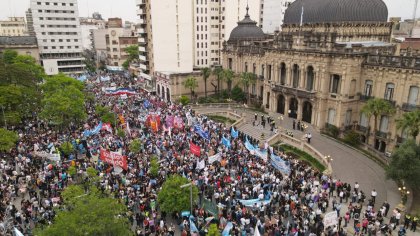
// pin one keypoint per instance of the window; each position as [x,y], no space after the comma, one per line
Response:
[262,70]
[335,84]
[383,127]
[352,88]
[246,67]
[283,74]
[368,88]
[413,95]
[347,122]
[310,78]
[331,116]
[230,62]
[364,122]
[389,91]
[296,74]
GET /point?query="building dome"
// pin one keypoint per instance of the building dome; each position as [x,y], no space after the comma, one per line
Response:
[247,29]
[332,11]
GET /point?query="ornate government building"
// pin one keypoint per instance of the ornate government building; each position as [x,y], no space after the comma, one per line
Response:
[329,59]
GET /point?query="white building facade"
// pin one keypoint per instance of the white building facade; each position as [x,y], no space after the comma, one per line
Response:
[57,28]
[182,35]
[14,26]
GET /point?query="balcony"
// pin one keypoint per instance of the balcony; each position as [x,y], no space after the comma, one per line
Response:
[142,58]
[392,102]
[141,31]
[142,49]
[365,97]
[294,91]
[362,129]
[142,40]
[140,12]
[410,107]
[141,21]
[381,134]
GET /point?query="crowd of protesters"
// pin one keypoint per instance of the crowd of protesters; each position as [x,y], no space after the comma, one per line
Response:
[285,203]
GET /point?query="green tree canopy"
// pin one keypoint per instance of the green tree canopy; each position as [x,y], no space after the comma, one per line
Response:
[8,140]
[135,146]
[172,198]
[376,107]
[206,74]
[247,79]
[90,213]
[213,230]
[411,122]
[133,55]
[9,56]
[405,164]
[228,76]
[64,106]
[60,82]
[219,73]
[191,84]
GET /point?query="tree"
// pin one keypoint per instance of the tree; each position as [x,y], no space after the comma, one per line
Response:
[228,76]
[135,146]
[154,167]
[247,79]
[410,121]
[213,230]
[63,107]
[8,140]
[206,74]
[59,83]
[89,61]
[218,72]
[376,107]
[405,164]
[184,100]
[105,114]
[191,84]
[9,56]
[237,94]
[66,148]
[172,198]
[133,55]
[90,213]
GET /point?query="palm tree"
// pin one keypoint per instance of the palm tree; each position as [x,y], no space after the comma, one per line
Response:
[247,79]
[206,74]
[410,121]
[218,71]
[191,83]
[228,76]
[376,107]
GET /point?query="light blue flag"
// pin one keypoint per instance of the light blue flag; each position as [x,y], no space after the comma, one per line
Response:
[252,202]
[280,164]
[193,228]
[249,146]
[234,133]
[226,142]
[227,229]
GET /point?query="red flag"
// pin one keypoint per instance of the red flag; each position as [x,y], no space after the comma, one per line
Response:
[114,158]
[107,127]
[195,149]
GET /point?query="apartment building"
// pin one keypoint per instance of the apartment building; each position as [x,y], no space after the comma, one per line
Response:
[13,26]
[30,22]
[182,35]
[57,28]
[87,25]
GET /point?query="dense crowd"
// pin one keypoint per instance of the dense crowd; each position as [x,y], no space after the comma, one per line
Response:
[276,203]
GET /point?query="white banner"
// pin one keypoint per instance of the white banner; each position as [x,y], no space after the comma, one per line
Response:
[330,219]
[52,157]
[214,158]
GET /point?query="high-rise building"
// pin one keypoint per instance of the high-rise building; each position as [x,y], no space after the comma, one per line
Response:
[57,28]
[181,35]
[14,26]
[30,22]
[87,25]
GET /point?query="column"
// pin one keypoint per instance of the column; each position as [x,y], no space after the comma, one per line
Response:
[299,111]
[286,106]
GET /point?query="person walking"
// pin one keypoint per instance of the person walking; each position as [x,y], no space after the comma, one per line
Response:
[373,196]
[294,124]
[308,137]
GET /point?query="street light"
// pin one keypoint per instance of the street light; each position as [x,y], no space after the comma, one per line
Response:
[191,198]
[404,193]
[328,158]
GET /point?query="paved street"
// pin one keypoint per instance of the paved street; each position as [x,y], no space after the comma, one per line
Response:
[348,164]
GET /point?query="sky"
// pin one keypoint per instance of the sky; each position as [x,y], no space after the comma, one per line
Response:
[126,9]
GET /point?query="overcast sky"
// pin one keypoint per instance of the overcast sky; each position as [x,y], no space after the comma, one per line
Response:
[126,9]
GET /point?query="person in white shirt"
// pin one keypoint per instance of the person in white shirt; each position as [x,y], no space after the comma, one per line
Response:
[373,195]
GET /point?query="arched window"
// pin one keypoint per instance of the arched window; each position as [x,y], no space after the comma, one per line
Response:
[282,73]
[389,91]
[413,95]
[383,127]
[368,88]
[335,84]
[310,76]
[364,121]
[295,76]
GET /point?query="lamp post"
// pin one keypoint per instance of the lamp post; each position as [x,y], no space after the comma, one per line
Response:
[328,158]
[404,193]
[191,198]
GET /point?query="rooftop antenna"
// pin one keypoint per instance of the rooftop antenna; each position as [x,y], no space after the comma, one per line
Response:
[414,17]
[247,8]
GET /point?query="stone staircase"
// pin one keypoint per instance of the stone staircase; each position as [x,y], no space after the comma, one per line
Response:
[256,131]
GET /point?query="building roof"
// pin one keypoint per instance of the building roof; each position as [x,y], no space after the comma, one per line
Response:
[247,29]
[336,11]
[18,40]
